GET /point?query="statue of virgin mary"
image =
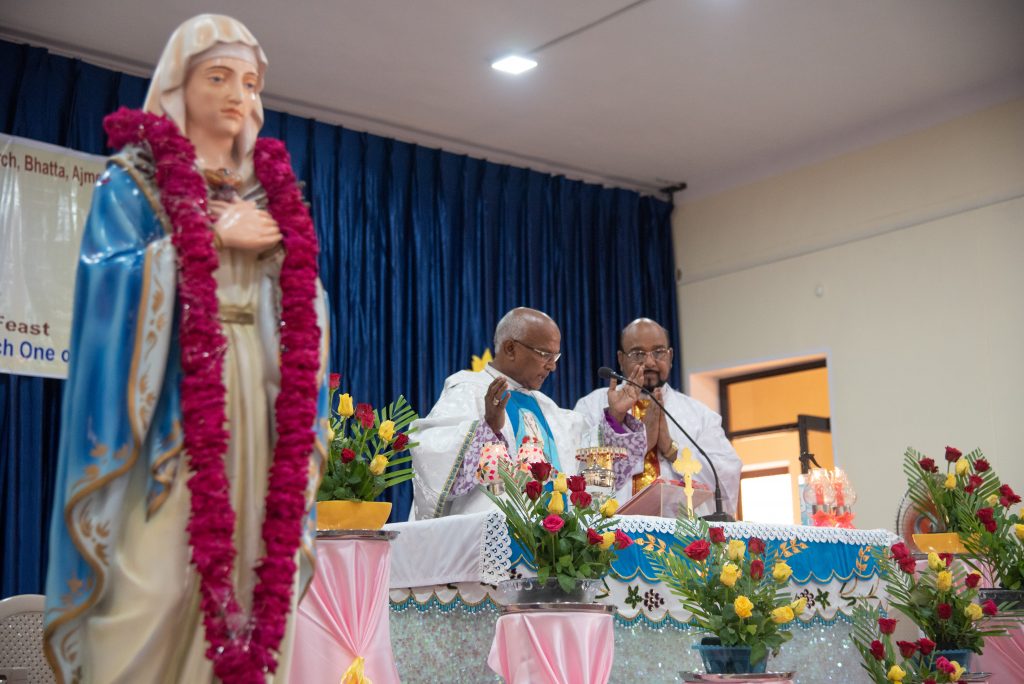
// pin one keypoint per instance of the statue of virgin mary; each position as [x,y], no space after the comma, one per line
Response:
[196,399]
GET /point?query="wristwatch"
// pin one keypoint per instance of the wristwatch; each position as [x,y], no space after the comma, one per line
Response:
[673,451]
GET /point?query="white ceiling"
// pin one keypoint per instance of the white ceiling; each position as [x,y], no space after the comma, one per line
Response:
[713,93]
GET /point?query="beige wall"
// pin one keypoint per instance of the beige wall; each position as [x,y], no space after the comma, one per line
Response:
[917,249]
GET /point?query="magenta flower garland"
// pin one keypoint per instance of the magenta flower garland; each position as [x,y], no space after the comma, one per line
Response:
[240,647]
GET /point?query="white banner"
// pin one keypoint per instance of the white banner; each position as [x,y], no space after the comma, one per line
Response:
[45,192]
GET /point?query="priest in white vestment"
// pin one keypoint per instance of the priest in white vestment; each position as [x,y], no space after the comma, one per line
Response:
[644,348]
[503,404]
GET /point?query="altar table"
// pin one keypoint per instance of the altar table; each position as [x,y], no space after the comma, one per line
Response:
[444,603]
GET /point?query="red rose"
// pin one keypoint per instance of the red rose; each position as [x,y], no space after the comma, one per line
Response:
[593,538]
[576,483]
[347,455]
[335,381]
[540,470]
[989,608]
[981,465]
[886,625]
[985,514]
[757,568]
[1008,497]
[972,580]
[622,540]
[364,414]
[899,551]
[990,525]
[755,545]
[579,499]
[553,523]
[698,550]
[717,535]
[401,441]
[928,465]
[942,664]
[533,489]
[908,565]
[926,645]
[952,454]
[928,681]
[907,648]
[878,650]
[944,611]
[973,482]
[947,557]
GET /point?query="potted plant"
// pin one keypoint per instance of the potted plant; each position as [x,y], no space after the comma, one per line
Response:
[942,600]
[733,591]
[941,496]
[909,662]
[561,525]
[364,443]
[993,538]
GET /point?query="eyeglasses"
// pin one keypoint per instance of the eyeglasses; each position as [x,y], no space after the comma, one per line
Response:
[546,355]
[639,355]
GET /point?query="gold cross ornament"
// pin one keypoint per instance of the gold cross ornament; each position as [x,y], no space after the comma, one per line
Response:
[686,466]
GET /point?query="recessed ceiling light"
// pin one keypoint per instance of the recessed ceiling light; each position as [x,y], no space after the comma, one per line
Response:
[514,64]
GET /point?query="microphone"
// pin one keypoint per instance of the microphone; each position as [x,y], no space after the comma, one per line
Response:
[719,515]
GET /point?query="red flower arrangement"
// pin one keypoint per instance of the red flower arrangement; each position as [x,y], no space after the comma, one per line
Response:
[241,647]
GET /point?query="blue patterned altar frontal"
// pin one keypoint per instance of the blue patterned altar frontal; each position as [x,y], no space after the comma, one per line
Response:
[818,555]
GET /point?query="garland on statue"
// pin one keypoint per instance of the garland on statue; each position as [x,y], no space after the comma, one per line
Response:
[241,648]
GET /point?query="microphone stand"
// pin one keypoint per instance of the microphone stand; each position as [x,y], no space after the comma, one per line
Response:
[719,515]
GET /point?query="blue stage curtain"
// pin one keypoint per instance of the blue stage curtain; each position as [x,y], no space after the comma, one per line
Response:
[422,251]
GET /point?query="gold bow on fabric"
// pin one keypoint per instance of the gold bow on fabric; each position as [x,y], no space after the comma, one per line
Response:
[354,674]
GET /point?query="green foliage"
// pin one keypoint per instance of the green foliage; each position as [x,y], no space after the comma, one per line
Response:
[356,480]
[566,555]
[701,590]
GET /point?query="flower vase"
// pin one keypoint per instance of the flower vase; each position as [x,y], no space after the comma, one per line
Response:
[940,542]
[530,591]
[720,659]
[352,515]
[1006,599]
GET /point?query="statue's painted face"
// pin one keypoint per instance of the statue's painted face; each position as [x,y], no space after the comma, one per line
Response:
[220,94]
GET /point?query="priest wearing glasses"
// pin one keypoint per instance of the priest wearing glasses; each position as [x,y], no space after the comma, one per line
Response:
[644,349]
[503,404]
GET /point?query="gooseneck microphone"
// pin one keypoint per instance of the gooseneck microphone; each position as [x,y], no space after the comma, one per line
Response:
[719,515]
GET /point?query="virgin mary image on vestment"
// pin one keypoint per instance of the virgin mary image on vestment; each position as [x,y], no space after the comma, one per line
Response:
[181,537]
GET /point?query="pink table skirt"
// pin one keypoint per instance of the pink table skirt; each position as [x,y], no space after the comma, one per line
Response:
[553,648]
[344,615]
[1003,657]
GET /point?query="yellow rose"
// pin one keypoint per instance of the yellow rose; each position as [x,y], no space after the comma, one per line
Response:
[378,464]
[962,466]
[782,615]
[950,481]
[896,674]
[345,407]
[799,606]
[557,504]
[957,672]
[730,573]
[560,484]
[735,550]
[386,430]
[607,539]
[743,607]
[992,500]
[973,611]
[781,572]
[944,580]
[1019,530]
[934,562]
[609,507]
